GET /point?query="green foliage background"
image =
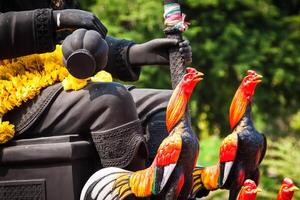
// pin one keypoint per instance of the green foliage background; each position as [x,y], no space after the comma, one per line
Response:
[229,37]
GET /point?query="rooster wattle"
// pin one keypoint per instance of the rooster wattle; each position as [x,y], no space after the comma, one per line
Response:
[287,189]
[170,175]
[241,152]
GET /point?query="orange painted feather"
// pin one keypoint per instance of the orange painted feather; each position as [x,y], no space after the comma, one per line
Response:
[141,182]
[237,108]
[228,148]
[169,150]
[176,107]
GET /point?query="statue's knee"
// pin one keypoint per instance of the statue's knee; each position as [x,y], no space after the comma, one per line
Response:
[120,97]
[120,100]
[110,94]
[113,103]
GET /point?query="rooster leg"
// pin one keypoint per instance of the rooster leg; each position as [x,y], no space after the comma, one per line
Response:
[233,193]
[255,176]
[186,188]
[176,182]
[237,183]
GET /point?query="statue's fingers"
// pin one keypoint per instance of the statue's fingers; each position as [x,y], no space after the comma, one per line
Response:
[100,27]
[66,49]
[163,43]
[186,49]
[184,43]
[188,60]
[187,55]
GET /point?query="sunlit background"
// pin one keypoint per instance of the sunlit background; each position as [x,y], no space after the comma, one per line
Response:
[229,37]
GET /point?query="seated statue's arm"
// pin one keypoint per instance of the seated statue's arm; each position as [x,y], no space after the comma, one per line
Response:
[125,58]
[118,60]
[26,32]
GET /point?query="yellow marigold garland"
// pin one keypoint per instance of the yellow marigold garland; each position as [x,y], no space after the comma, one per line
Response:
[21,79]
[6,131]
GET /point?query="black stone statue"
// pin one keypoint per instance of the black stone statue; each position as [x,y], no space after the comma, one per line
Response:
[123,122]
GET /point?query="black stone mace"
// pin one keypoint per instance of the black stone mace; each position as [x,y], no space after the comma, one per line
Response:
[177,68]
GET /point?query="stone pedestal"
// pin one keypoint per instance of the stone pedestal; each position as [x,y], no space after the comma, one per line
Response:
[46,168]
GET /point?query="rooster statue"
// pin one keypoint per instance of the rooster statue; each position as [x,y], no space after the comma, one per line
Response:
[241,152]
[287,189]
[170,175]
[248,190]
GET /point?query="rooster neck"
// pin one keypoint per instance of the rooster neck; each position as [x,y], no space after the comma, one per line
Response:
[246,120]
[187,118]
[286,196]
[183,122]
[177,106]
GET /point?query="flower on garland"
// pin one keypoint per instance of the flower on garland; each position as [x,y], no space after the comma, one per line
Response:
[21,79]
[6,131]
[72,83]
[102,76]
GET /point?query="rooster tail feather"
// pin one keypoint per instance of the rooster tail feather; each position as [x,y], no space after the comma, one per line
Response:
[198,188]
[108,183]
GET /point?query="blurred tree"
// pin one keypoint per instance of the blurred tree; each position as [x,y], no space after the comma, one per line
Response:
[236,35]
[86,4]
[279,164]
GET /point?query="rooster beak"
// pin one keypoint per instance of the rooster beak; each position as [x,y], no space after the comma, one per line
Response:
[258,78]
[199,76]
[294,188]
[257,190]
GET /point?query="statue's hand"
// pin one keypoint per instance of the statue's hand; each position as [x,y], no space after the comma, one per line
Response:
[156,52]
[72,19]
[85,53]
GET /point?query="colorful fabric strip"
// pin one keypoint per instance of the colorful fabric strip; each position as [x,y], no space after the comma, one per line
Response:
[174,18]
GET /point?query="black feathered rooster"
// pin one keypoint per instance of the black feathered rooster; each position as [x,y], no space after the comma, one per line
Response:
[241,152]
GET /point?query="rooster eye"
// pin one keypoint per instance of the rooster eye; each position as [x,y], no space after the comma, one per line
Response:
[286,187]
[187,77]
[248,190]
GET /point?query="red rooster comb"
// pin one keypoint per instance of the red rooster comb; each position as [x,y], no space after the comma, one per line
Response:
[287,181]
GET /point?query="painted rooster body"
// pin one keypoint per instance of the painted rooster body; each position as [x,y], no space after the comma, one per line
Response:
[287,189]
[240,152]
[170,175]
[250,150]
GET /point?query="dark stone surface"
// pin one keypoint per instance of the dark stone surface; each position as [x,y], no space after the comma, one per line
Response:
[46,168]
